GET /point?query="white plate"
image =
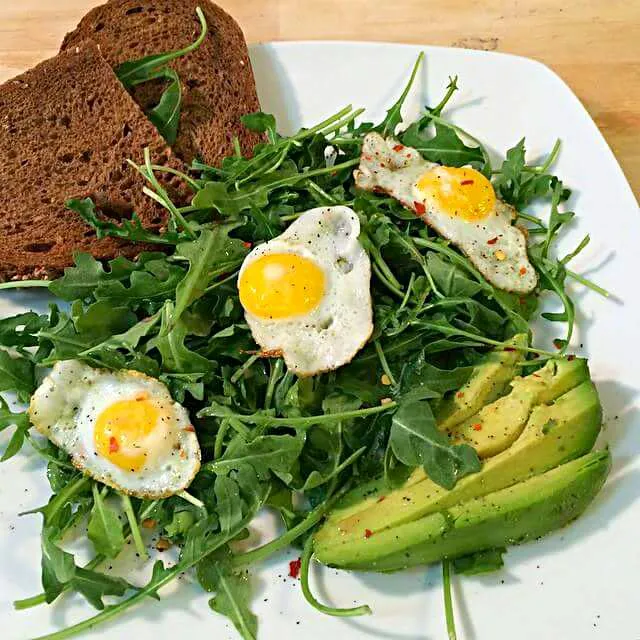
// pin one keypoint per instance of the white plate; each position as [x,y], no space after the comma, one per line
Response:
[576,584]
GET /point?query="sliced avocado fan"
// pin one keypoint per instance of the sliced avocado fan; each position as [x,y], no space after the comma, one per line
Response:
[555,433]
[522,512]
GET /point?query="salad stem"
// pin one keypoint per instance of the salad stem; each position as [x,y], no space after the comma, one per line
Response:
[133,525]
[307,421]
[385,364]
[448,603]
[25,284]
[588,283]
[310,598]
[268,549]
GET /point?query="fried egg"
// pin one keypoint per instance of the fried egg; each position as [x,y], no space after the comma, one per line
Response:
[122,428]
[458,202]
[306,294]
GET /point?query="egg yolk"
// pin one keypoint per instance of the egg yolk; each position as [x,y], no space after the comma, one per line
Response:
[459,192]
[121,429]
[281,285]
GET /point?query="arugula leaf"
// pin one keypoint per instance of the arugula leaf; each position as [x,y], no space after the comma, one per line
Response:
[58,566]
[133,72]
[214,253]
[260,123]
[394,116]
[180,524]
[176,356]
[445,146]
[556,218]
[519,184]
[105,529]
[420,380]
[416,441]
[480,562]
[76,335]
[166,114]
[17,374]
[80,281]
[131,230]
[20,330]
[232,600]
[229,505]
[275,453]
[94,586]
[155,284]
[451,280]
[233,588]
[18,420]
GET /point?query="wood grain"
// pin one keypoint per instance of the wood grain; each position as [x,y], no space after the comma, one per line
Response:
[594,45]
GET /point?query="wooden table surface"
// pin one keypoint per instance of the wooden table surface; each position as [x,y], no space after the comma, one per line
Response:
[594,45]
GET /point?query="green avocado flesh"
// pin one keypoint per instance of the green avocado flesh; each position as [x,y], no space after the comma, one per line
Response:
[557,377]
[497,425]
[487,382]
[552,435]
[519,513]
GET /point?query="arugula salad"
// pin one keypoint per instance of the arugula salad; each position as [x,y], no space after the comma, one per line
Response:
[269,438]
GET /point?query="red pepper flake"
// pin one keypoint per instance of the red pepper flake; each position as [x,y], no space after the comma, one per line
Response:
[493,240]
[294,568]
[246,245]
[381,498]
[140,397]
[368,533]
[149,523]
[571,358]
[522,301]
[459,394]
[113,445]
[558,344]
[477,426]
[465,182]
[419,207]
[398,148]
[535,375]
[523,270]
[190,428]
[508,349]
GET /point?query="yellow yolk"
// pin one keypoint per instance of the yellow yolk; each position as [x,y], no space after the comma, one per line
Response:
[281,285]
[121,430]
[459,192]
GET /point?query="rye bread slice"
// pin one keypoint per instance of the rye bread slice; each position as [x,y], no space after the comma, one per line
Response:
[67,127]
[217,79]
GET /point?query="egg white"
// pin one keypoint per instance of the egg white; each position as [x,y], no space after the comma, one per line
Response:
[496,247]
[331,334]
[66,406]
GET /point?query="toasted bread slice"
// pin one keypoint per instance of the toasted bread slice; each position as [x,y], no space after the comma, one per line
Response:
[67,128]
[217,79]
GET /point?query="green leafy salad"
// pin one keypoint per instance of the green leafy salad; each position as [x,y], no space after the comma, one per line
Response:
[268,438]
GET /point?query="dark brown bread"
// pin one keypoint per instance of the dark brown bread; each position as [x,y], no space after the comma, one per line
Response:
[67,128]
[217,80]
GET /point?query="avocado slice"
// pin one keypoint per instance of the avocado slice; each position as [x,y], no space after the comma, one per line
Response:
[519,513]
[554,434]
[488,381]
[556,377]
[497,425]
